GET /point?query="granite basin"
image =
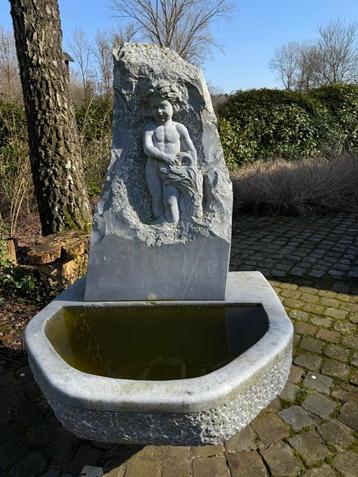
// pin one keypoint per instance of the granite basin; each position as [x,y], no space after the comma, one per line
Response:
[237,364]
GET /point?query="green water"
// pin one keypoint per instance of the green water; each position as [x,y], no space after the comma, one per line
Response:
[155,342]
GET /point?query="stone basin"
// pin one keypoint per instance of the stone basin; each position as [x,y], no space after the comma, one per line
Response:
[185,405]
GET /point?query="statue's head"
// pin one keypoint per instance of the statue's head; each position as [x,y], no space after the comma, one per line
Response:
[169,96]
[161,109]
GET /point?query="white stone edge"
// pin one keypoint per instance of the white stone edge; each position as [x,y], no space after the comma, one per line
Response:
[83,390]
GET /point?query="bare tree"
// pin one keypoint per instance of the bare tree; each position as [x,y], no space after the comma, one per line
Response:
[332,58]
[10,87]
[308,75]
[338,52]
[103,57]
[83,55]
[53,139]
[286,63]
[183,25]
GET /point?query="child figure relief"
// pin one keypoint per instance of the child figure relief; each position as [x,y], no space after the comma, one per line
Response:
[171,166]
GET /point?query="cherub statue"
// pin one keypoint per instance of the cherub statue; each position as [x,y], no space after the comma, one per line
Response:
[171,165]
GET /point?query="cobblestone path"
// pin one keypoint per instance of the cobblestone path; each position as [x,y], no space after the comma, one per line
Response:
[310,430]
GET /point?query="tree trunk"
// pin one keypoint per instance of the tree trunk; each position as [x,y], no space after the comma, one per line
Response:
[53,138]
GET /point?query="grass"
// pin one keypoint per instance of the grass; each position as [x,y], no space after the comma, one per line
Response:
[302,187]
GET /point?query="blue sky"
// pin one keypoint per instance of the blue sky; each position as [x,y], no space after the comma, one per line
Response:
[248,39]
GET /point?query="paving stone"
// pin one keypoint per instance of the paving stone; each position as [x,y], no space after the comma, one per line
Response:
[176,468]
[51,473]
[91,471]
[270,428]
[345,327]
[349,415]
[290,392]
[287,293]
[298,315]
[315,309]
[321,321]
[354,359]
[308,360]
[63,447]
[296,341]
[353,377]
[310,447]
[243,440]
[209,466]
[334,368]
[167,452]
[336,314]
[323,471]
[281,460]
[336,434]
[144,468]
[346,463]
[350,342]
[86,455]
[29,415]
[291,303]
[274,406]
[320,405]
[328,335]
[246,464]
[305,329]
[32,464]
[208,451]
[308,298]
[290,286]
[119,472]
[12,450]
[309,290]
[336,352]
[319,382]
[296,374]
[296,417]
[345,392]
[330,302]
[309,343]
[353,317]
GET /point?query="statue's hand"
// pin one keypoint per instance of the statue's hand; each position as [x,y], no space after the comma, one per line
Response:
[171,159]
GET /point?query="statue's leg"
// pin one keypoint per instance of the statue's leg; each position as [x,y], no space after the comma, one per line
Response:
[171,200]
[155,187]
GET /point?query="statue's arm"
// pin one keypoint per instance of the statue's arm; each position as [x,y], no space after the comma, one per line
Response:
[150,150]
[185,139]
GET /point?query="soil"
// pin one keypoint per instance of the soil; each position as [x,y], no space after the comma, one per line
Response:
[15,312]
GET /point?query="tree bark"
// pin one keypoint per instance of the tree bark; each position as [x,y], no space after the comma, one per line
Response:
[53,138]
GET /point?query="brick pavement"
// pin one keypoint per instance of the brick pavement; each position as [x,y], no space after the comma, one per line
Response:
[311,430]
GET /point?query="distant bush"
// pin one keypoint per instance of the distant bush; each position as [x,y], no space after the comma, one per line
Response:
[342,103]
[305,186]
[264,124]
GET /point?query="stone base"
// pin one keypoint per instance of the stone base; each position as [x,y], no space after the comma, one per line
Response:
[121,269]
[204,410]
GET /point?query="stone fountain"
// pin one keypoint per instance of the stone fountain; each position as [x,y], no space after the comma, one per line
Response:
[159,343]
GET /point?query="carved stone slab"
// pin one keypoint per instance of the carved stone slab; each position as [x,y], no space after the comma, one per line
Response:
[162,229]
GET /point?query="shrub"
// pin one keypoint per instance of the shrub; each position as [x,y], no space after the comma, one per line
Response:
[311,185]
[263,124]
[342,102]
[15,186]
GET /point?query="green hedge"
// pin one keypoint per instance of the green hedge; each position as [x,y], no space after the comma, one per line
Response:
[265,123]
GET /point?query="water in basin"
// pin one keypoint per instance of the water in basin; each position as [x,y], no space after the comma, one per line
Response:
[161,342]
